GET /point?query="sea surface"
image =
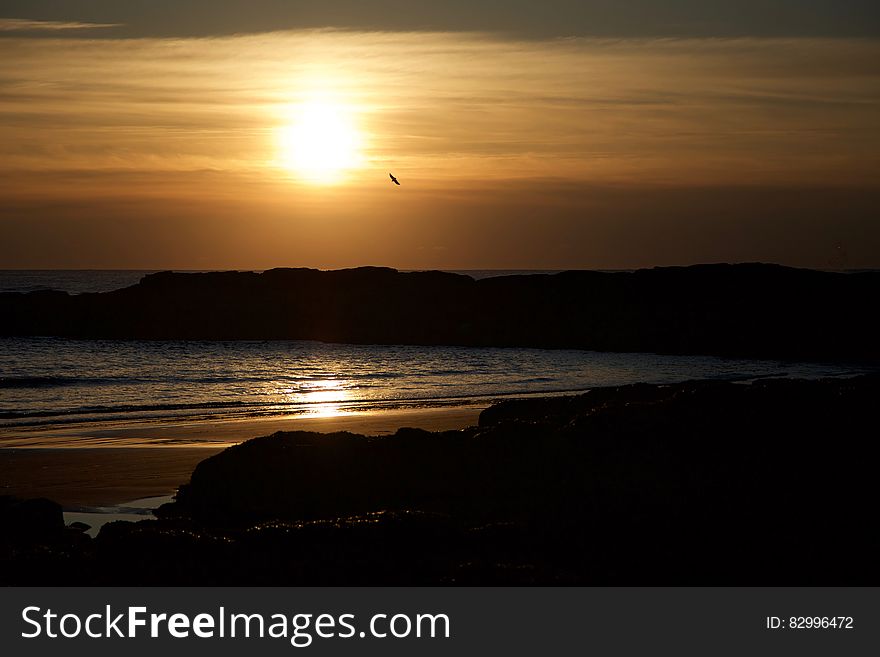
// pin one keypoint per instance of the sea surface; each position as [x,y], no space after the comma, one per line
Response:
[52,382]
[58,383]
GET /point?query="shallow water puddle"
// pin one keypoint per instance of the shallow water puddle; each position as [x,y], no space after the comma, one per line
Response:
[134,511]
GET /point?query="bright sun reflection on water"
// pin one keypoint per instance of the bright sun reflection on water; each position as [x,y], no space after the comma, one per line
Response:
[323,398]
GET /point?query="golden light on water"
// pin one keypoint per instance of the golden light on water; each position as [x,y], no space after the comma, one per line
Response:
[321,143]
[326,410]
[323,398]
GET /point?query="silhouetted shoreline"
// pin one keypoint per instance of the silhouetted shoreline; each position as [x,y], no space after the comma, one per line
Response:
[705,483]
[749,310]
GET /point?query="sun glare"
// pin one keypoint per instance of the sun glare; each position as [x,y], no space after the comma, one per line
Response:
[321,143]
[324,398]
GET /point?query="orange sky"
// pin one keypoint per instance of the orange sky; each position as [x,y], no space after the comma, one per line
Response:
[512,153]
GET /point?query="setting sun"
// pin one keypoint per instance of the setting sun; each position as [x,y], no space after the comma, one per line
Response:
[321,142]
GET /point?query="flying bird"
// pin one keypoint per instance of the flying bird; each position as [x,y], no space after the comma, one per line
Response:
[393,179]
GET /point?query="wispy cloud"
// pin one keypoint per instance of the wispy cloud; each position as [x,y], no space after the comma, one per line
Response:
[28,25]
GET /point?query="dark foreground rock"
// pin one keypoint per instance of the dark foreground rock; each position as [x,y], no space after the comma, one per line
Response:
[769,483]
[749,310]
[35,546]
[30,521]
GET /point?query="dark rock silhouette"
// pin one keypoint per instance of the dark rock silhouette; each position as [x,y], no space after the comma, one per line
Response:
[701,483]
[30,521]
[35,546]
[750,310]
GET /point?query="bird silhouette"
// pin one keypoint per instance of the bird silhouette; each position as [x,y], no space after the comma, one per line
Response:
[393,179]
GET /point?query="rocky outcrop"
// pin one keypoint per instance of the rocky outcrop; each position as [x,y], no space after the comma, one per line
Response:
[695,483]
[30,521]
[700,483]
[35,546]
[737,310]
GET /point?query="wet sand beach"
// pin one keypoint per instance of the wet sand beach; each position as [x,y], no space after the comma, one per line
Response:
[113,465]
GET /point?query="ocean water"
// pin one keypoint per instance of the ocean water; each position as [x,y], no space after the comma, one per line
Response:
[74,281]
[51,382]
[55,383]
